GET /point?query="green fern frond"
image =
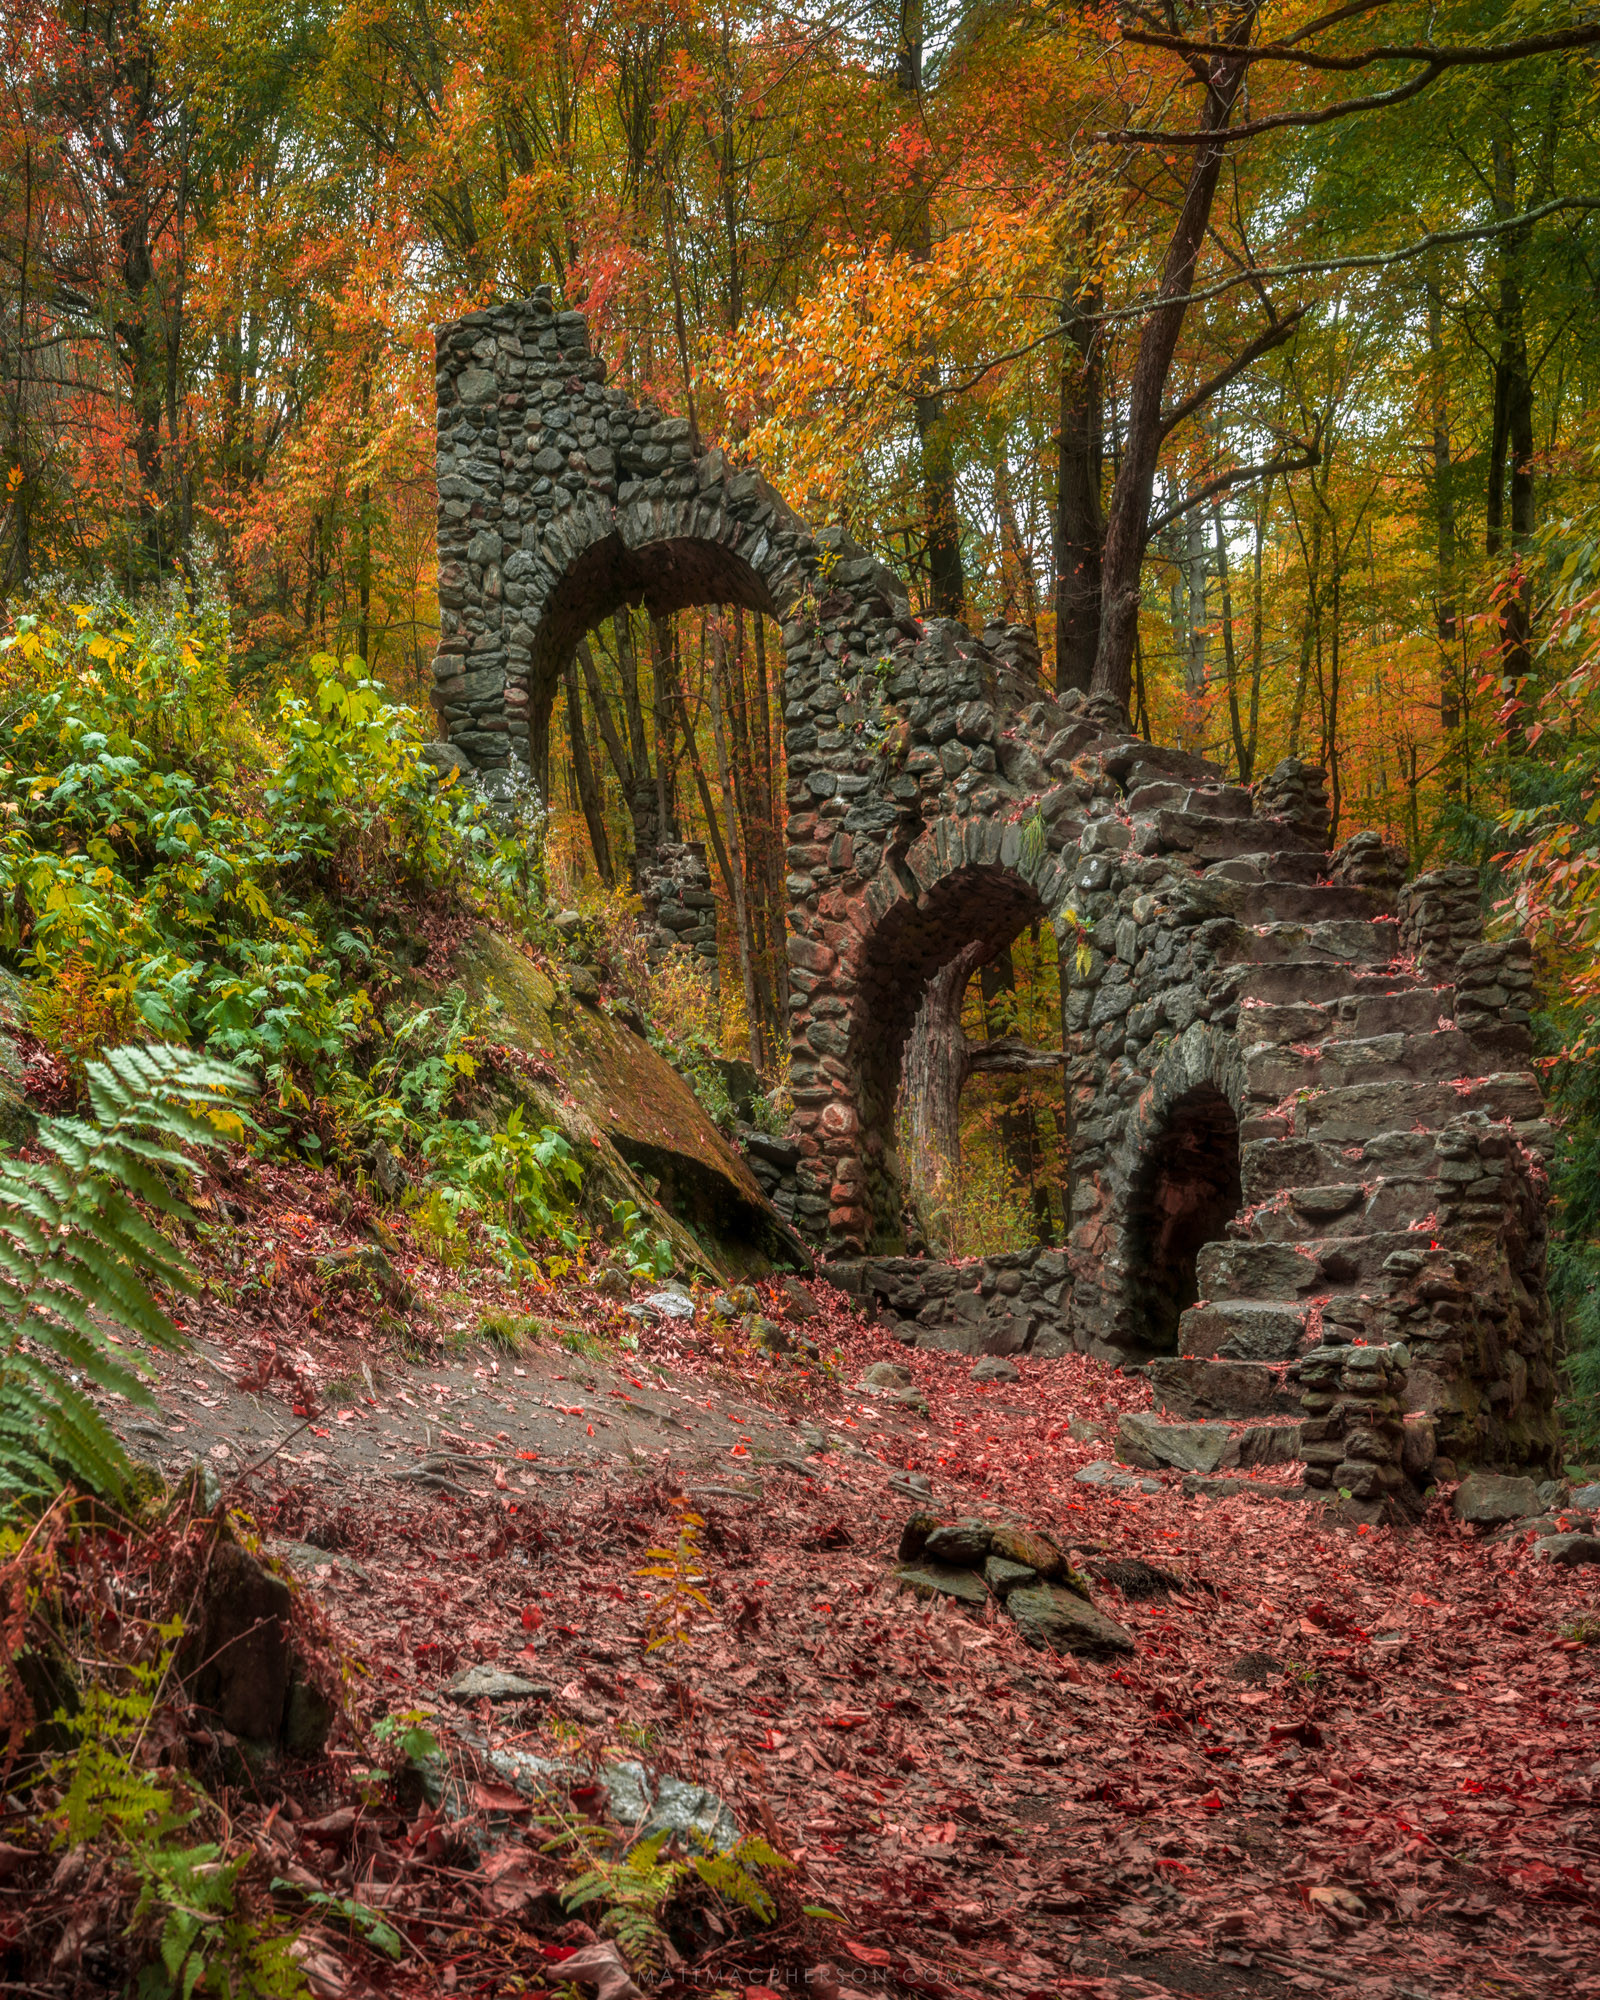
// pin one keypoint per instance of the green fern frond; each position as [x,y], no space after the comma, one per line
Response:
[77,1257]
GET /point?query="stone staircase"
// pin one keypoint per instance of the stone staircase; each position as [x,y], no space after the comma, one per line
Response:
[1359,1073]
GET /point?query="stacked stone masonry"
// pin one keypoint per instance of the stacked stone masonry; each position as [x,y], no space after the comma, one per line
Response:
[1289,1075]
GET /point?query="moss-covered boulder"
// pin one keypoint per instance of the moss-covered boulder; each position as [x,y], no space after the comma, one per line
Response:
[635,1122]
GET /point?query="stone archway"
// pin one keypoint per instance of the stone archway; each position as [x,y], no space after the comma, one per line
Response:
[937,795]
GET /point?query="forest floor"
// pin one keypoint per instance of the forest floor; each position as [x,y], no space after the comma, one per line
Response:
[1339,1761]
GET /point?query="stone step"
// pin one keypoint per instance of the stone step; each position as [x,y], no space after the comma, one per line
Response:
[1230,802]
[1351,1115]
[1303,903]
[1414,1011]
[1267,1166]
[1326,982]
[1444,1055]
[1242,1331]
[1282,1026]
[1208,837]
[1345,1208]
[1345,941]
[1145,1441]
[1187,1386]
[1300,868]
[1299,1268]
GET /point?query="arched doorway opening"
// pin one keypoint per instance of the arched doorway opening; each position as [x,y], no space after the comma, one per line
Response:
[1185,1191]
[943,1027]
[655,730]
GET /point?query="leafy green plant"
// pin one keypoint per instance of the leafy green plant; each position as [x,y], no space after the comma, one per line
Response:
[365,1923]
[77,1257]
[202,1935]
[648,1251]
[633,1891]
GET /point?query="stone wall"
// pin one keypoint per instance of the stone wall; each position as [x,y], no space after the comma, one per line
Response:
[1265,1046]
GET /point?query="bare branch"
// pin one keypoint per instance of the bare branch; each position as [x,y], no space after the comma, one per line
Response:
[1264,342]
[1466,55]
[1241,475]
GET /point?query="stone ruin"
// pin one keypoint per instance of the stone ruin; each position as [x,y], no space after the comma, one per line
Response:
[1303,1122]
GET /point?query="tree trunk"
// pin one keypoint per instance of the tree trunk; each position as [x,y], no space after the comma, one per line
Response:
[1080,457]
[947,588]
[932,1072]
[589,796]
[1129,513]
[1230,664]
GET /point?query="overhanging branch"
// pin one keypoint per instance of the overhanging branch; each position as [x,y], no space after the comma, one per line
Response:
[1241,475]
[1264,342]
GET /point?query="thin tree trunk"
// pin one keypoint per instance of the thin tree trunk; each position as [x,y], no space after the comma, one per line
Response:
[947,589]
[1129,514]
[1080,458]
[589,797]
[1230,665]
[717,674]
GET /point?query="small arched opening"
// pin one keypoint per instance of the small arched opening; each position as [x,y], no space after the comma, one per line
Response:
[936,1012]
[1185,1191]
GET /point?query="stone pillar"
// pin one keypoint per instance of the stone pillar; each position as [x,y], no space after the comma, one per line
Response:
[1352,1433]
[1298,793]
[1440,917]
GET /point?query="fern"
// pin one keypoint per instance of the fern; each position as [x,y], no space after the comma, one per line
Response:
[77,1254]
[634,1892]
[731,1875]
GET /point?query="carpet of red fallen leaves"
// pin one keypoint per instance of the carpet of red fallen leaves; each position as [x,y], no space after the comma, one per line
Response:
[1340,1760]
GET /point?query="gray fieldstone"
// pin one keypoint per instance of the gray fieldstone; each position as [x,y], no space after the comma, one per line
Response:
[928,1579]
[1048,1616]
[1490,1499]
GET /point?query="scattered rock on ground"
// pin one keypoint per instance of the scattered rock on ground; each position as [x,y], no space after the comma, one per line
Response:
[995,1368]
[1048,1615]
[672,1302]
[964,1543]
[1568,1550]
[610,1281]
[1022,1545]
[1587,1498]
[482,1683]
[1003,1576]
[930,1579]
[306,1558]
[1490,1499]
[1105,1472]
[915,1534]
[886,1375]
[1145,1441]
[583,985]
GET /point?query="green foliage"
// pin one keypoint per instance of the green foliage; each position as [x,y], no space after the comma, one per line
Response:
[647,1251]
[633,1892]
[410,1734]
[732,1875]
[203,1936]
[681,1571]
[78,1257]
[364,1923]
